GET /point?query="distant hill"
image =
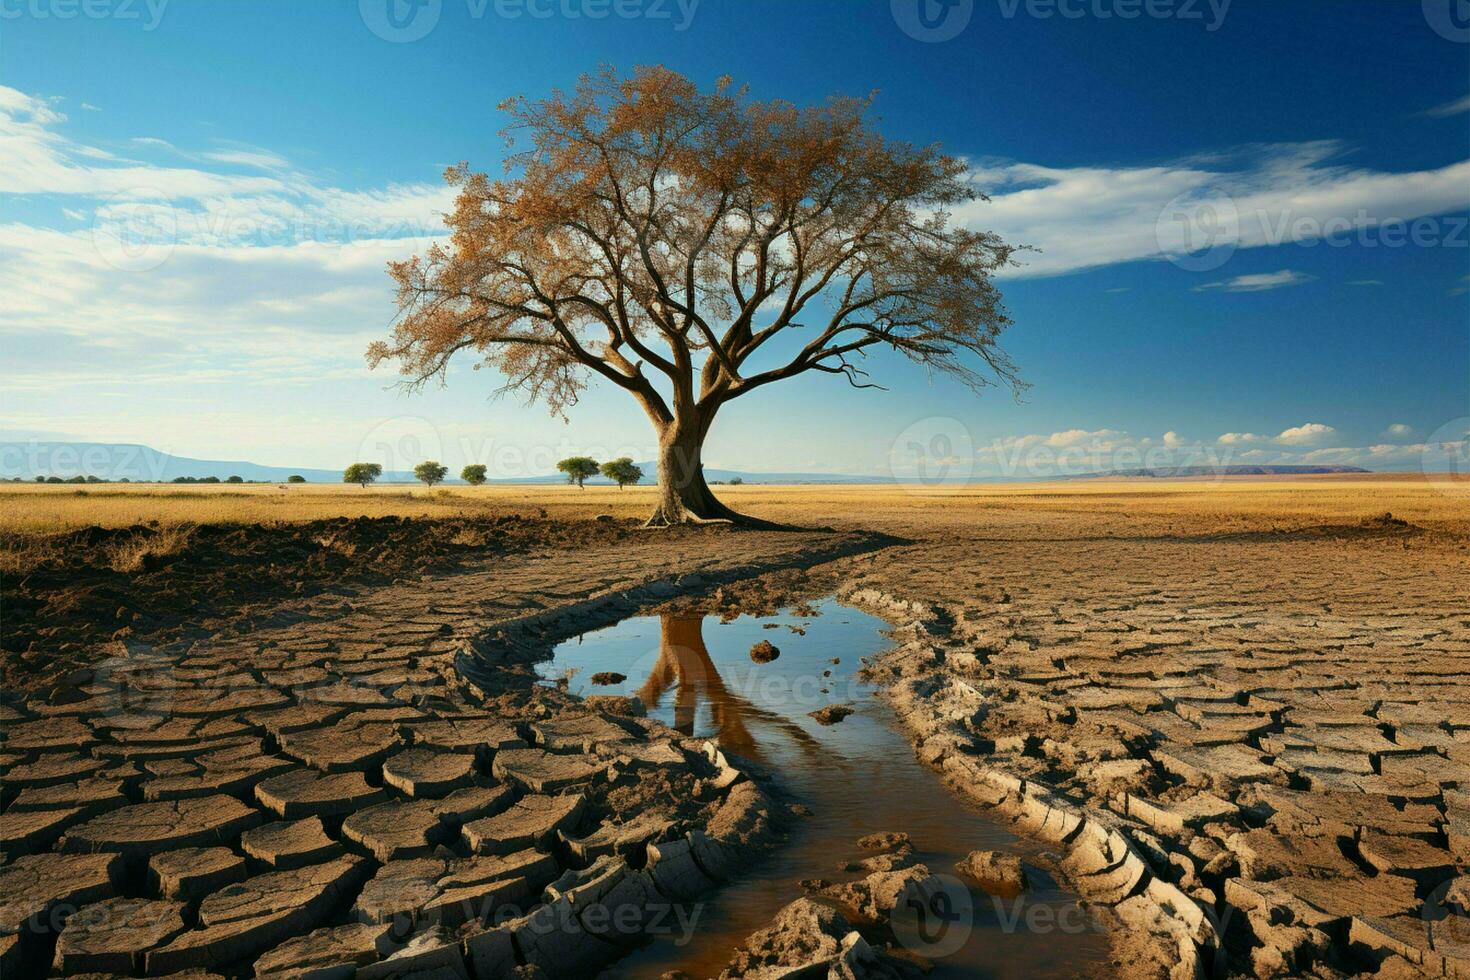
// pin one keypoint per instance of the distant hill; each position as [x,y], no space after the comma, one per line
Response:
[1175,472]
[144,464]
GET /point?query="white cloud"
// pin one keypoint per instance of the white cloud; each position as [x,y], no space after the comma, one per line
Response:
[1451,108]
[1307,434]
[1300,435]
[1075,452]
[192,273]
[1398,430]
[1259,282]
[1083,217]
[1366,282]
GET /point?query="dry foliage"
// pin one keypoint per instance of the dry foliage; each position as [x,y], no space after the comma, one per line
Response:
[652,227]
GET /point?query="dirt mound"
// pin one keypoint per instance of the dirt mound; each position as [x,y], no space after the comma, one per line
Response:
[1379,527]
[72,594]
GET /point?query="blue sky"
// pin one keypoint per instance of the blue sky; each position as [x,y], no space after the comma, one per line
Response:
[197,198]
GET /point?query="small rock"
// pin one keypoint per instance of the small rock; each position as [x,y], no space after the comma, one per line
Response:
[831,714]
[997,874]
[764,652]
[885,841]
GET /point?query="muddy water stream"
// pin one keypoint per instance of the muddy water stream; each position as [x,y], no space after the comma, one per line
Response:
[857,777]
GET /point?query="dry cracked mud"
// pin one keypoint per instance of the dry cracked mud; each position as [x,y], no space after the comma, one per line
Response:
[1248,741]
[321,791]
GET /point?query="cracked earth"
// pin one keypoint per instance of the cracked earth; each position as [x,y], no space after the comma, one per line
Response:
[1243,732]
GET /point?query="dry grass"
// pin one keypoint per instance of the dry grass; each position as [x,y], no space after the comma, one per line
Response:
[19,554]
[132,554]
[1231,504]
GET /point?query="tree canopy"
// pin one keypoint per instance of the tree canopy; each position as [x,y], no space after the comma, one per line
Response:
[622,471]
[431,471]
[660,238]
[473,474]
[578,468]
[362,473]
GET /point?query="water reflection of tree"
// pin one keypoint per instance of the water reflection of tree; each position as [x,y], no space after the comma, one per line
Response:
[684,662]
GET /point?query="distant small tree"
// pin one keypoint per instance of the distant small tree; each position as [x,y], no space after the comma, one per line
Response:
[735,481]
[578,468]
[362,473]
[431,471]
[295,478]
[622,471]
[474,474]
[235,479]
[40,479]
[53,479]
[210,479]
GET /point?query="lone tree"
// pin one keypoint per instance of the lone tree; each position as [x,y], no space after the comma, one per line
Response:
[578,469]
[295,478]
[622,471]
[473,474]
[660,237]
[362,473]
[431,471]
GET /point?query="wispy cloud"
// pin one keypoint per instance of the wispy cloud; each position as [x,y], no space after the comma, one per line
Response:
[1259,282]
[1452,108]
[1084,217]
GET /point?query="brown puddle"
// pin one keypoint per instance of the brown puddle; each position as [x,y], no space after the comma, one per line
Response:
[857,777]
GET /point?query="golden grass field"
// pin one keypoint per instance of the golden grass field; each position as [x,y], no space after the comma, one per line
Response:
[1233,503]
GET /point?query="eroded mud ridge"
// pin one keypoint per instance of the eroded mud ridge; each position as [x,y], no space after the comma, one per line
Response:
[85,592]
[324,792]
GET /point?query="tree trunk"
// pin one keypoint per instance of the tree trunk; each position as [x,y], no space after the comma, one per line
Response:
[684,497]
